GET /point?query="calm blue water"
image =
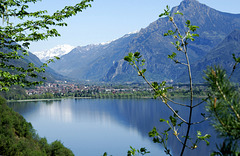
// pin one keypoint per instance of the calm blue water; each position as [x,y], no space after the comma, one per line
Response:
[90,127]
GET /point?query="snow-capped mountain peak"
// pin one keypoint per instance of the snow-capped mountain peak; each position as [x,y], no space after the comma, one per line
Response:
[59,51]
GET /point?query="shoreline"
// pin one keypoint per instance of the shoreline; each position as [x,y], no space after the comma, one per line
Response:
[59,99]
[54,99]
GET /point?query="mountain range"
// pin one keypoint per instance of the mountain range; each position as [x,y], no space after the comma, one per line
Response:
[58,51]
[104,62]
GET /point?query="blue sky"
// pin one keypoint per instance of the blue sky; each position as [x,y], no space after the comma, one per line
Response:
[107,20]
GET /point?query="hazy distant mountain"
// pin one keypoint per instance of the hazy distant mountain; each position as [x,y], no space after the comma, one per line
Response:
[105,62]
[221,55]
[92,62]
[59,51]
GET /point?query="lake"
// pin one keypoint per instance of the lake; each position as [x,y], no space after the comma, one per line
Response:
[90,127]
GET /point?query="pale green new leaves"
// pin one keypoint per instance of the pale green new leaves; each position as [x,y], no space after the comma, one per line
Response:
[15,38]
[136,61]
[134,152]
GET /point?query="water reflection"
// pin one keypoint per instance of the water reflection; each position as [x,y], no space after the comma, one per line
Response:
[93,126]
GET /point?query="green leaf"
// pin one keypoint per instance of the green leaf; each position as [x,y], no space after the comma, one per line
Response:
[178,13]
[177,43]
[143,71]
[165,34]
[236,59]
[155,85]
[167,130]
[195,35]
[166,12]
[105,154]
[175,114]
[137,54]
[56,57]
[172,56]
[188,23]
[199,133]
[5,89]
[128,59]
[173,120]
[193,28]
[180,124]
[162,120]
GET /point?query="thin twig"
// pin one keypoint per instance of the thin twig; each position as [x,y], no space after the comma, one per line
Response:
[177,103]
[201,102]
[182,142]
[164,100]
[161,97]
[234,67]
[180,63]
[199,121]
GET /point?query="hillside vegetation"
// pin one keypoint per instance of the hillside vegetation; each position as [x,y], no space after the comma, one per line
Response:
[17,137]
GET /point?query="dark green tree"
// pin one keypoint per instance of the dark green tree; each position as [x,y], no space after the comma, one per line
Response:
[223,106]
[224,103]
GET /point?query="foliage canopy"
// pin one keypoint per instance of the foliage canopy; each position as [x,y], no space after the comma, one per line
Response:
[19,28]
